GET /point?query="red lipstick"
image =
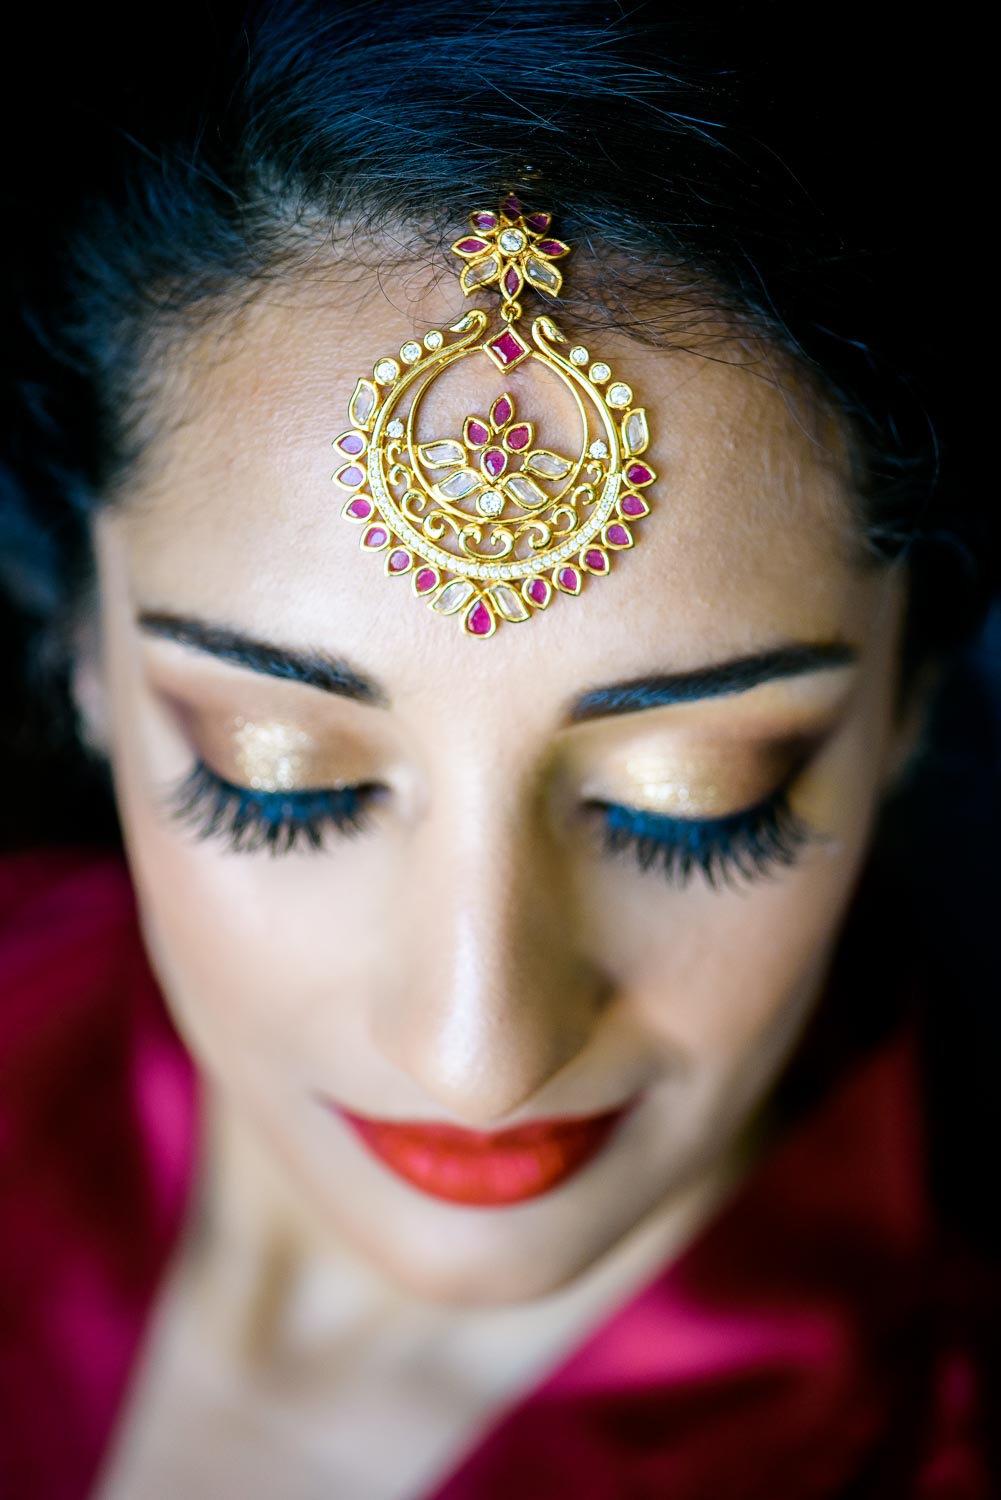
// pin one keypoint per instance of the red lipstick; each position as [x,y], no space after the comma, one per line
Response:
[485,1168]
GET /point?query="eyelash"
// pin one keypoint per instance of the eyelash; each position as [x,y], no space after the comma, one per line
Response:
[748,844]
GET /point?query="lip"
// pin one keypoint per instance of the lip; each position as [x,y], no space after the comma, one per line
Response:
[486,1169]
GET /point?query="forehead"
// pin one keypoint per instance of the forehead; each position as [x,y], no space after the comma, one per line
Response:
[233,516]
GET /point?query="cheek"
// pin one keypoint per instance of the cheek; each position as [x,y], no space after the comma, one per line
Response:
[260,959]
[718,975]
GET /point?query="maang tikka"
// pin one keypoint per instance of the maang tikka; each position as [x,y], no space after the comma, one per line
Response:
[484,522]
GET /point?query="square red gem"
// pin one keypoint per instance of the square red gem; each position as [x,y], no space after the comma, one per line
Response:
[507,349]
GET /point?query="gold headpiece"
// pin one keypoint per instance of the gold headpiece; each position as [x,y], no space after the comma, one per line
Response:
[485,522]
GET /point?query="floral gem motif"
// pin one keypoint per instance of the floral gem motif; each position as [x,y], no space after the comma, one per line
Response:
[508,248]
[493,461]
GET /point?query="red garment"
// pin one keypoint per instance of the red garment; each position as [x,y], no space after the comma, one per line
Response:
[814,1341]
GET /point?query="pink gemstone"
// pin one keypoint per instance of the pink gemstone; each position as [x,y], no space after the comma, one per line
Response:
[511,205]
[478,434]
[495,462]
[479,619]
[596,560]
[485,221]
[518,438]
[633,505]
[619,535]
[537,591]
[375,536]
[425,580]
[551,247]
[351,443]
[569,578]
[508,348]
[638,474]
[398,560]
[512,282]
[361,508]
[538,223]
[352,475]
[470,246]
[502,411]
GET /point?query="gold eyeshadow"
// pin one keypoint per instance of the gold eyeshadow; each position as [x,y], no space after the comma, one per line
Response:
[710,783]
[270,757]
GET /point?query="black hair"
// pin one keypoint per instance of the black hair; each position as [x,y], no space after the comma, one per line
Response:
[813,184]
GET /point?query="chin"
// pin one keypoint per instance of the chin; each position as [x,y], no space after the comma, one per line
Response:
[475,1257]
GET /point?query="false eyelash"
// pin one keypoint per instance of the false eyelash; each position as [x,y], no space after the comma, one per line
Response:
[754,842]
[249,820]
[751,843]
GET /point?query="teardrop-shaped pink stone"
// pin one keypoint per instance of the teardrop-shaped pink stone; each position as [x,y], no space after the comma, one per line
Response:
[479,619]
[537,590]
[596,560]
[398,560]
[352,475]
[470,246]
[375,536]
[638,474]
[478,434]
[494,461]
[619,535]
[551,247]
[425,580]
[512,282]
[518,438]
[511,205]
[351,443]
[360,507]
[538,223]
[570,578]
[485,221]
[633,505]
[502,411]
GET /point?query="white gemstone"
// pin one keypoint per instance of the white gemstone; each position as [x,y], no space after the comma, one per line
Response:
[505,572]
[549,465]
[619,395]
[636,433]
[395,428]
[579,356]
[525,490]
[386,371]
[599,372]
[511,241]
[458,486]
[598,449]
[362,403]
[490,503]
[410,353]
[452,597]
[439,455]
[483,270]
[510,604]
[432,340]
[541,274]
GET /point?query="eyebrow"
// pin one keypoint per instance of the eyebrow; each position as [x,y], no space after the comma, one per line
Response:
[331,674]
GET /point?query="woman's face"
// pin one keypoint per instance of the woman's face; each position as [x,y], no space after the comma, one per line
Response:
[474,955]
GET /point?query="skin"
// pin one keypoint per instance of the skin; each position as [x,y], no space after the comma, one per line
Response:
[474,956]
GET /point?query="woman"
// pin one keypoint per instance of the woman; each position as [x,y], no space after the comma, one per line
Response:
[499,1066]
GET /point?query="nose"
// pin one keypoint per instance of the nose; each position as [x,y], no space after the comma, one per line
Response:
[492,994]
